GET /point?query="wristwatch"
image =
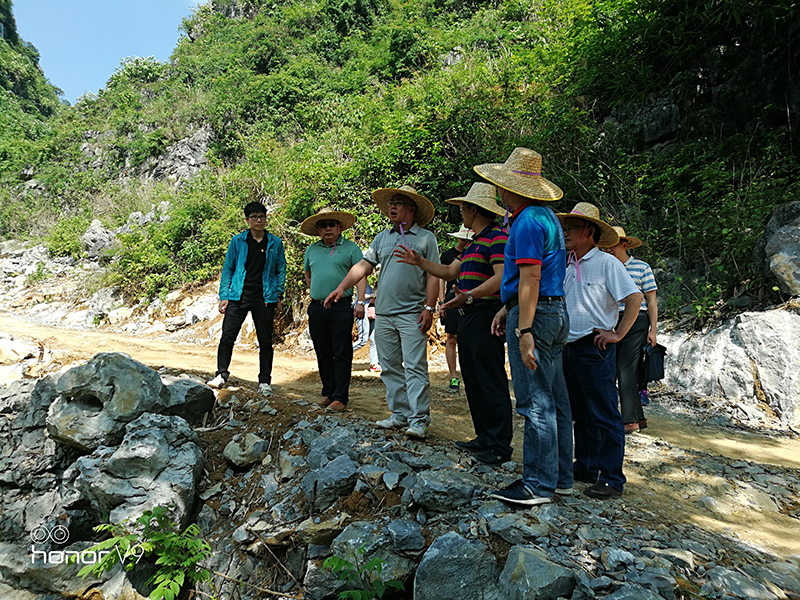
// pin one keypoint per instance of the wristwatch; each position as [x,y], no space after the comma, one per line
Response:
[521,332]
[470,299]
[362,302]
[428,308]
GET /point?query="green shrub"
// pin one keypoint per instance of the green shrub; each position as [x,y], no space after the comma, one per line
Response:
[65,238]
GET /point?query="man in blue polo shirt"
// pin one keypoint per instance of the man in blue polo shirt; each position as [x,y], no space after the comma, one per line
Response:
[326,263]
[482,356]
[535,323]
[253,280]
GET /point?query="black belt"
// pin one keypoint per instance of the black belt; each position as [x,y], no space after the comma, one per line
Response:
[587,339]
[466,309]
[349,300]
[515,300]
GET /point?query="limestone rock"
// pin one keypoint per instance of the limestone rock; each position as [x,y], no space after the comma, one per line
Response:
[455,568]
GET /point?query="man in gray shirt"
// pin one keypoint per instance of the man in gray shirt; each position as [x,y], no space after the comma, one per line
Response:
[404,306]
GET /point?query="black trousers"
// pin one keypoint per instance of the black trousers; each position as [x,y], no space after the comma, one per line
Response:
[263,318]
[332,333]
[482,359]
[629,356]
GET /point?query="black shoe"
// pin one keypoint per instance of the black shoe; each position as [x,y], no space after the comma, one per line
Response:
[491,457]
[602,491]
[584,477]
[471,446]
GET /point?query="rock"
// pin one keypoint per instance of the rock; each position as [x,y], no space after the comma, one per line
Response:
[325,486]
[183,160]
[332,444]
[406,535]
[785,575]
[43,571]
[158,463]
[516,528]
[290,464]
[455,568]
[188,397]
[529,573]
[205,308]
[632,592]
[321,533]
[99,241]
[615,559]
[13,351]
[680,558]
[245,450]
[723,581]
[444,490]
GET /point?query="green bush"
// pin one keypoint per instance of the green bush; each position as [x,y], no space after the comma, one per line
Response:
[65,238]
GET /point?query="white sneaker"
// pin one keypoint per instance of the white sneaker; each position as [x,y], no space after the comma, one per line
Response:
[265,389]
[391,423]
[564,491]
[417,431]
[217,382]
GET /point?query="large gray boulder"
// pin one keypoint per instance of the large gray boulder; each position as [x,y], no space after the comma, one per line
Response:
[98,399]
[529,574]
[455,568]
[754,351]
[99,241]
[158,463]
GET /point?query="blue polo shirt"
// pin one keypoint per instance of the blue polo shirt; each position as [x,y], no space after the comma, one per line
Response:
[535,237]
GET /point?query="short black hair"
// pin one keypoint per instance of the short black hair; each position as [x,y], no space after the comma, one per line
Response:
[254,208]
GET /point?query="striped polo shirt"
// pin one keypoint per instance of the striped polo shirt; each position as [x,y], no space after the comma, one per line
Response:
[642,276]
[480,257]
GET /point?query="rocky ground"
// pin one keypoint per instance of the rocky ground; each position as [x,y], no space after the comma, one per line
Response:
[711,509]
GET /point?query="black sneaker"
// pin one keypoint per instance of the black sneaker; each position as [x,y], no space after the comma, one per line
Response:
[491,457]
[517,493]
[454,384]
[471,446]
[602,491]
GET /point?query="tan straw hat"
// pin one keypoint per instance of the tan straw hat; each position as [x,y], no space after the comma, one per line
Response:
[521,173]
[483,195]
[632,241]
[589,212]
[465,233]
[309,226]
[424,213]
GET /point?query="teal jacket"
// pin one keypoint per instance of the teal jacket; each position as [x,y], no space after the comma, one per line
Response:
[231,281]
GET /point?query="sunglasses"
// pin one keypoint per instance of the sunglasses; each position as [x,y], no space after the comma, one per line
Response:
[326,224]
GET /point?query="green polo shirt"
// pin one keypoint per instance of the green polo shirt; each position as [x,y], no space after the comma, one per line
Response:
[328,269]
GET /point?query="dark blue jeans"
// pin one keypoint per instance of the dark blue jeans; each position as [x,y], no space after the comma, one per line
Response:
[599,434]
[331,331]
[541,398]
[263,319]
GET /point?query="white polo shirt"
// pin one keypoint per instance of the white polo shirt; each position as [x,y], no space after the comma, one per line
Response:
[594,301]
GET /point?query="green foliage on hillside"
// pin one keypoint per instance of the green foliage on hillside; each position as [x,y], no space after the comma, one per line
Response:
[676,118]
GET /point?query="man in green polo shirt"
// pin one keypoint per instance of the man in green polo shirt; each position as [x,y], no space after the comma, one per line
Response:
[326,263]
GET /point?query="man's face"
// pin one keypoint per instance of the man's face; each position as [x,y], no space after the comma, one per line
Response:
[257,221]
[620,250]
[575,231]
[401,210]
[328,230]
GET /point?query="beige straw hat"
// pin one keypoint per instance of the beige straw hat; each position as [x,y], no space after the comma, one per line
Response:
[521,173]
[465,233]
[589,212]
[633,242]
[424,213]
[483,195]
[309,226]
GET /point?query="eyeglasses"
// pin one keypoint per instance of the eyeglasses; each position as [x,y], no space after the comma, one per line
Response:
[570,228]
[326,224]
[401,203]
[257,217]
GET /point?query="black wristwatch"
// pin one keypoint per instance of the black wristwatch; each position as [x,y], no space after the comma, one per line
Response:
[521,332]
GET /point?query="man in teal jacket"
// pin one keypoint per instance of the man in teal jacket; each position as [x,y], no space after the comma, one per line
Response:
[253,280]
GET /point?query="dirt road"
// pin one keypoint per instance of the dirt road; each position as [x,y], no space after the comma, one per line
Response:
[667,465]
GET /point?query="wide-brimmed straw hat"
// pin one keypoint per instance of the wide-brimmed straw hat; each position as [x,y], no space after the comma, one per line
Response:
[309,226]
[465,233]
[521,173]
[424,213]
[589,212]
[633,242]
[483,195]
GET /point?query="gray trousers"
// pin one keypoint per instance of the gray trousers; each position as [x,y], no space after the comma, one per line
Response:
[402,352]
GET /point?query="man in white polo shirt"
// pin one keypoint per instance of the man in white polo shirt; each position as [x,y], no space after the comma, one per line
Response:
[595,285]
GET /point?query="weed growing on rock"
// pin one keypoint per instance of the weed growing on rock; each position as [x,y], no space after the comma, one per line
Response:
[360,574]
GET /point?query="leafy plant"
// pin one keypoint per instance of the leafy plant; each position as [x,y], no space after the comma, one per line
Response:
[364,576]
[40,274]
[178,554]
[65,238]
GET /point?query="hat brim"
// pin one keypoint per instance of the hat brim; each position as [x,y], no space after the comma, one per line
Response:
[533,187]
[424,212]
[633,242]
[493,208]
[309,226]
[608,237]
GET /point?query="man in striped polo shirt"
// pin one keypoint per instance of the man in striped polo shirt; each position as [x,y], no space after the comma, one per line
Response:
[481,355]
[643,331]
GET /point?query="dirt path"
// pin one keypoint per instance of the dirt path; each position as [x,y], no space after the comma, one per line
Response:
[666,465]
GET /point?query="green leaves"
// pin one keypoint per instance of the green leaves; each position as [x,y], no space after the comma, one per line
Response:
[364,576]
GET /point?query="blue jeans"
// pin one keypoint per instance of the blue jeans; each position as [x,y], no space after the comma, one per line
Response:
[599,433]
[541,398]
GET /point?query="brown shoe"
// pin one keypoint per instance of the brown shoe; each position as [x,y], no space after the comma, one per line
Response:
[631,427]
[324,401]
[337,406]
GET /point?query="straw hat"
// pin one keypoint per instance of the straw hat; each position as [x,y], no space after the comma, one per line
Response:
[483,195]
[465,233]
[521,173]
[309,226]
[632,241]
[589,212]
[424,212]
